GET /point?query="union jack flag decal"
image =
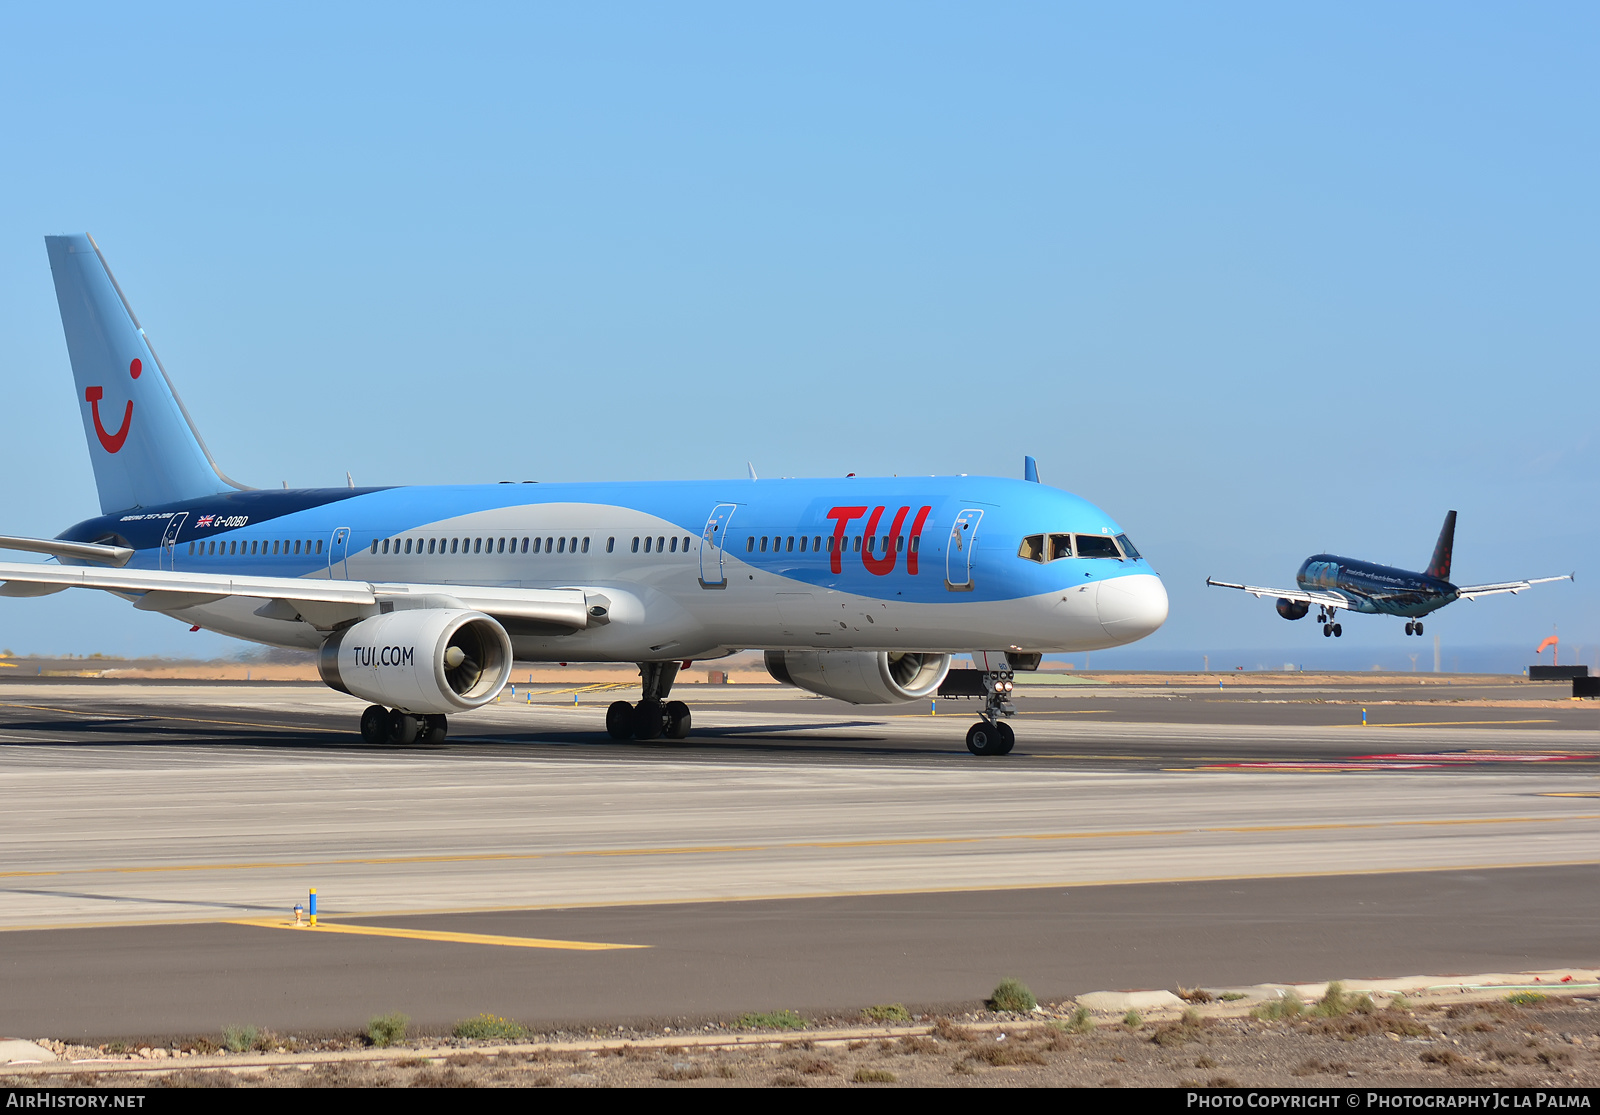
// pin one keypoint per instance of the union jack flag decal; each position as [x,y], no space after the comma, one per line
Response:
[204,520]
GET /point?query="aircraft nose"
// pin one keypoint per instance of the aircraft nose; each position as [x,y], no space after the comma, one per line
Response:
[1132,607]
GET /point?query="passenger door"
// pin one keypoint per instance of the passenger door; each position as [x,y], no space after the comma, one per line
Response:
[713,540]
[963,542]
[169,540]
[337,552]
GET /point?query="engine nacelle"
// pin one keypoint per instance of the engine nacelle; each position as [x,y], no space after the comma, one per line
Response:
[862,677]
[1292,609]
[427,660]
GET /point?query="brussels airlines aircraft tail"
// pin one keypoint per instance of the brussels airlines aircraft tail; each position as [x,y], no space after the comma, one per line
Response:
[1440,565]
[144,447]
[419,599]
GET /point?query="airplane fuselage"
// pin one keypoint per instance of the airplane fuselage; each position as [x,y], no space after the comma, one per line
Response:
[1375,589]
[689,569]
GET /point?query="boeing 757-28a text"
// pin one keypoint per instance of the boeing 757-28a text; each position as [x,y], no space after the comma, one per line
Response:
[419,599]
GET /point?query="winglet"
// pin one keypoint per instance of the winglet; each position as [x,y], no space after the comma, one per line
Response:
[1440,565]
[751,466]
[1030,469]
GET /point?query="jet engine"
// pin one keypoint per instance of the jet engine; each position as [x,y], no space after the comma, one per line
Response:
[425,661]
[1292,609]
[862,677]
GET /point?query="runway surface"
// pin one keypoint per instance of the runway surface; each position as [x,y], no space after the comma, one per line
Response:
[792,852]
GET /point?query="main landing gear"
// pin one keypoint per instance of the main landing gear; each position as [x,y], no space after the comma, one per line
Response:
[654,717]
[380,725]
[1414,628]
[991,735]
[1328,626]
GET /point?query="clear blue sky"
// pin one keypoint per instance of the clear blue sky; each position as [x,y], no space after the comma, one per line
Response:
[1261,280]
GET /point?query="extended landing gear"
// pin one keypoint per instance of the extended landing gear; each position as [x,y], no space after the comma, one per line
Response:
[380,726]
[654,717]
[1329,627]
[991,735]
[1413,629]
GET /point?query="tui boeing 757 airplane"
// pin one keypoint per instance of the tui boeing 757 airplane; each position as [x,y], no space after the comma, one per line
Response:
[419,599]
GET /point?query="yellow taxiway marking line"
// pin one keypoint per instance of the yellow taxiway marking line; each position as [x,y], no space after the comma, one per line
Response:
[1442,723]
[1571,794]
[434,935]
[901,842]
[1058,884]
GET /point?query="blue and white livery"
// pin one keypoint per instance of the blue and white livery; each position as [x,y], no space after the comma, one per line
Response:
[419,599]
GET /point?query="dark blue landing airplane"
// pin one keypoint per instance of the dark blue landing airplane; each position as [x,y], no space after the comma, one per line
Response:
[1334,583]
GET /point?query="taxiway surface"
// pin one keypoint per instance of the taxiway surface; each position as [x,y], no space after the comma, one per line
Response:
[797,847]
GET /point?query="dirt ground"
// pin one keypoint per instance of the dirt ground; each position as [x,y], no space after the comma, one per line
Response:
[1555,1043]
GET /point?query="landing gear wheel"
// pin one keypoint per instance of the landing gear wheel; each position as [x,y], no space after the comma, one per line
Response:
[1327,630]
[1419,629]
[619,720]
[1338,631]
[649,720]
[435,728]
[1008,738]
[1409,626]
[403,728]
[983,739]
[677,720]
[375,724]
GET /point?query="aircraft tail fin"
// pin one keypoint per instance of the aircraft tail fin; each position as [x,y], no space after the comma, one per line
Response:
[1440,565]
[143,445]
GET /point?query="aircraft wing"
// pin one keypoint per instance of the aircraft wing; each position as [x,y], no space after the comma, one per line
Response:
[321,602]
[1472,592]
[1328,600]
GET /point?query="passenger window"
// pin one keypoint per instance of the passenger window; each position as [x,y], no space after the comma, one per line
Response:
[916,544]
[647,544]
[816,542]
[191,549]
[1127,547]
[611,544]
[477,545]
[549,545]
[661,545]
[674,543]
[871,538]
[790,547]
[750,544]
[1060,546]
[858,543]
[830,544]
[408,545]
[1097,546]
[803,541]
[524,545]
[763,543]
[561,545]
[297,547]
[585,545]
[385,545]
[899,544]
[686,543]
[635,545]
[455,545]
[319,545]
[573,545]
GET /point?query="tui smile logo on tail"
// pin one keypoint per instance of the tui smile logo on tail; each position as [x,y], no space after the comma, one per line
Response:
[93,395]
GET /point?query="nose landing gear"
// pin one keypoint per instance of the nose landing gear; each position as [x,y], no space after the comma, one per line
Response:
[991,735]
[654,716]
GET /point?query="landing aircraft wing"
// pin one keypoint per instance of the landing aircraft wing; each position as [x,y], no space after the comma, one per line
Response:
[1472,592]
[323,603]
[1327,600]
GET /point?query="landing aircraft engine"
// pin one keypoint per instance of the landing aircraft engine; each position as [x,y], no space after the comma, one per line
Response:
[862,677]
[1292,609]
[428,660]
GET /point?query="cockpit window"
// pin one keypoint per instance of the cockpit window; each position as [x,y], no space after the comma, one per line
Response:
[1097,546]
[1060,546]
[1127,547]
[1032,548]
